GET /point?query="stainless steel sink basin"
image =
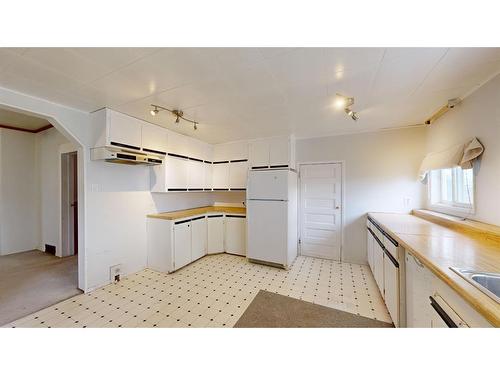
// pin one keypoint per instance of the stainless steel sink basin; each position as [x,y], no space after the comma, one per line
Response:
[488,283]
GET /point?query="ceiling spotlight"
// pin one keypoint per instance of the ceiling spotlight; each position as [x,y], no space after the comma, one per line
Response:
[342,102]
[345,102]
[154,111]
[352,114]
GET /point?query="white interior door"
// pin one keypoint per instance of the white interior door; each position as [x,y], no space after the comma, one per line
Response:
[321,210]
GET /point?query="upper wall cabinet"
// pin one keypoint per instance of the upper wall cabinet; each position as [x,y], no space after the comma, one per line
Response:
[231,151]
[154,139]
[196,175]
[238,171]
[123,130]
[115,129]
[277,152]
[259,153]
[208,172]
[220,175]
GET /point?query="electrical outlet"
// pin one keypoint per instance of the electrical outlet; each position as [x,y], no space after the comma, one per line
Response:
[115,272]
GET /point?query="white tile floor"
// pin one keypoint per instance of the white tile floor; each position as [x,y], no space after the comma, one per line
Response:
[213,292]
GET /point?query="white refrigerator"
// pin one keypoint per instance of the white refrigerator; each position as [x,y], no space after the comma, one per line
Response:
[272,216]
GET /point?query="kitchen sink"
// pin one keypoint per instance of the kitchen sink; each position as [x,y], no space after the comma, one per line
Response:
[488,283]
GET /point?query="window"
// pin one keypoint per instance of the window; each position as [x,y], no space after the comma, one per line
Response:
[452,190]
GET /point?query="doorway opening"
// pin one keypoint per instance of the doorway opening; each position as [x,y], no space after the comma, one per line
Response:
[36,270]
[321,210]
[69,203]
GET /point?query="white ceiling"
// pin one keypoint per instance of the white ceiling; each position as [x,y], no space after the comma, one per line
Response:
[237,93]
[20,120]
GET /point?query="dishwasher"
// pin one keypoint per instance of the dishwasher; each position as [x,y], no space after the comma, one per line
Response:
[442,315]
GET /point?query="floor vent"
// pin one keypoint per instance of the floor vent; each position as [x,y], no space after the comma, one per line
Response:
[50,249]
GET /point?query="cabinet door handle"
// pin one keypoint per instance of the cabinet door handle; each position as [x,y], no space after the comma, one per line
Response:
[417,262]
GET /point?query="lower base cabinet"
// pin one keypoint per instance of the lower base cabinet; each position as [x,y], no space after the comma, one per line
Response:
[391,289]
[418,290]
[182,244]
[172,244]
[198,238]
[378,265]
[235,235]
[215,225]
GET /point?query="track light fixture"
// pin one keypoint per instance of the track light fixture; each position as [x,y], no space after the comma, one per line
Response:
[352,114]
[179,115]
[345,102]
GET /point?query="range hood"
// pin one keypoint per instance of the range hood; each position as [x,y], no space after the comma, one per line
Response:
[123,157]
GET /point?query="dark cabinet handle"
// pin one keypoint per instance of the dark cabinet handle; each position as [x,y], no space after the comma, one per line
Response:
[439,310]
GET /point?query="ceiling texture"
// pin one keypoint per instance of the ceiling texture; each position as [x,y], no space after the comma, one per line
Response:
[241,93]
[21,121]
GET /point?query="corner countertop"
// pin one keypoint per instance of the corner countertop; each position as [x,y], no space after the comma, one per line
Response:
[174,215]
[439,247]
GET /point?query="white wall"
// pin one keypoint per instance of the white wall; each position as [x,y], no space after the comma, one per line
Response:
[477,116]
[380,171]
[118,202]
[19,224]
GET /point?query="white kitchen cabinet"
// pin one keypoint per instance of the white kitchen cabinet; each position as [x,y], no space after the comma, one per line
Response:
[111,128]
[215,225]
[160,250]
[391,289]
[196,175]
[272,152]
[182,244]
[154,139]
[238,172]
[378,265]
[198,237]
[178,144]
[230,151]
[208,174]
[172,175]
[124,131]
[418,290]
[369,246]
[220,177]
[258,153]
[176,173]
[279,152]
[235,234]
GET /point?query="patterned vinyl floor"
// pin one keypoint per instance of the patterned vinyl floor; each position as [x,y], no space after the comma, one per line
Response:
[213,292]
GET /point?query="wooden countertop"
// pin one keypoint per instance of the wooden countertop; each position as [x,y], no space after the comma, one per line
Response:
[439,247]
[174,215]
